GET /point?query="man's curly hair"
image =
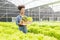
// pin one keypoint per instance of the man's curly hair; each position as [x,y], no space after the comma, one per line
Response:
[20,7]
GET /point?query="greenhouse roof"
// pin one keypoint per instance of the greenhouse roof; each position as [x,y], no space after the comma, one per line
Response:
[31,3]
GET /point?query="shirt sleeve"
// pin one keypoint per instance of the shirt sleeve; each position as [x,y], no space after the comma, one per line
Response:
[17,21]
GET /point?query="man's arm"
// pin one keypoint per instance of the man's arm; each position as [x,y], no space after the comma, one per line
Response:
[20,22]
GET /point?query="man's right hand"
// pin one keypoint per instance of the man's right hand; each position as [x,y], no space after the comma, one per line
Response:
[22,23]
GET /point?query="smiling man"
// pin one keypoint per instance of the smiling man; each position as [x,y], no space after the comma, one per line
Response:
[19,22]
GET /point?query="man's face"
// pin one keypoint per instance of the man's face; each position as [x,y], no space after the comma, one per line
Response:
[22,11]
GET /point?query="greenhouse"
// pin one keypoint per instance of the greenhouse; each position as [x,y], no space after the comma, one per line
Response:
[33,20]
[49,10]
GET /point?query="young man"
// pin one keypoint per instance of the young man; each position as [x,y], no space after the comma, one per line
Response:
[21,24]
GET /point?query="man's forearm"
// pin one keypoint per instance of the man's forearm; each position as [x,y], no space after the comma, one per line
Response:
[22,23]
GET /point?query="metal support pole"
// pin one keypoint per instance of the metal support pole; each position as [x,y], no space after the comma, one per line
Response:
[6,14]
[39,13]
[28,12]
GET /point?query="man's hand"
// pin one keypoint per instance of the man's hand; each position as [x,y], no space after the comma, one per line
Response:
[25,22]
[29,22]
[22,23]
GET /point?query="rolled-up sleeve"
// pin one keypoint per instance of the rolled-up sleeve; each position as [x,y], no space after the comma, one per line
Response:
[17,20]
